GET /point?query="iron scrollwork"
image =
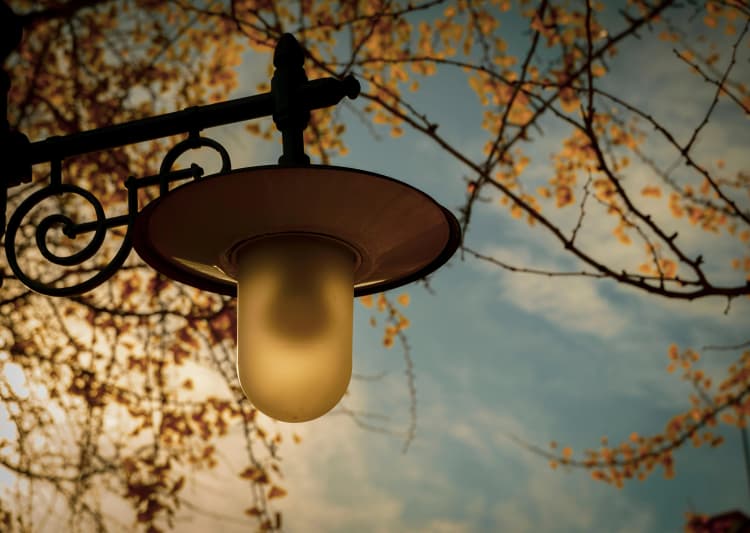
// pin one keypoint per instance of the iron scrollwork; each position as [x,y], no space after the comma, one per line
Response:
[71,229]
[193,142]
[289,102]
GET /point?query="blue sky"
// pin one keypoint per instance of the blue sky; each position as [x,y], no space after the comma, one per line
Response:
[499,354]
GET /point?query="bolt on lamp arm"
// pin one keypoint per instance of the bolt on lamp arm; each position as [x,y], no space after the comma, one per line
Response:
[289,102]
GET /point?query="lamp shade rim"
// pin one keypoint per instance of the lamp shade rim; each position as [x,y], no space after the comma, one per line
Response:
[398,233]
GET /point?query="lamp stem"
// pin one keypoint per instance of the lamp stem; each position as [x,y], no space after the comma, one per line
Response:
[291,112]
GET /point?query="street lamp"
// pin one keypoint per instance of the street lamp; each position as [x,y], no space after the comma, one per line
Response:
[294,242]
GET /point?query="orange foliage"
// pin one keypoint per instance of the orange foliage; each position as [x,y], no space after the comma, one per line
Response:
[637,456]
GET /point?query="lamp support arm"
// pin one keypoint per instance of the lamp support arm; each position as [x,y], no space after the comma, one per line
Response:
[290,101]
[313,94]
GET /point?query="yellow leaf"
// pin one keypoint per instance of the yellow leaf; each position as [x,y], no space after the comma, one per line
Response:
[564,196]
[687,55]
[256,475]
[380,118]
[668,267]
[403,299]
[651,190]
[567,452]
[276,492]
[568,100]
[619,232]
[543,192]
[673,352]
[366,300]
[382,302]
[598,71]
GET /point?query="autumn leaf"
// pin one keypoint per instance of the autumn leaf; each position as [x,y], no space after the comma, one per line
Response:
[276,492]
[254,474]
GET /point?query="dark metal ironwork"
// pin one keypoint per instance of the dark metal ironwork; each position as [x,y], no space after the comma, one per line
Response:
[290,114]
[71,229]
[193,142]
[11,141]
[289,102]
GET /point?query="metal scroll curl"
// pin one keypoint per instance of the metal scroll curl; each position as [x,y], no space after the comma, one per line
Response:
[100,225]
[193,142]
[71,229]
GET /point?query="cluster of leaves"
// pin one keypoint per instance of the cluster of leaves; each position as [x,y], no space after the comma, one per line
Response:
[396,323]
[99,395]
[637,456]
[395,319]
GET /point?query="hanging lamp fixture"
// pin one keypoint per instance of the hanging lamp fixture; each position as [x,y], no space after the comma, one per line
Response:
[294,242]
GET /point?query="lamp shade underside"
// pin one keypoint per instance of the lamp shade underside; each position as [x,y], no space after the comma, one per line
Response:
[396,233]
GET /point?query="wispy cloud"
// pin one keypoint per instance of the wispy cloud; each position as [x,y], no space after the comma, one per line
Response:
[576,304]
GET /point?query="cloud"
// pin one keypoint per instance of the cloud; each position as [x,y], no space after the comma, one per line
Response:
[344,479]
[333,490]
[541,499]
[573,304]
[558,501]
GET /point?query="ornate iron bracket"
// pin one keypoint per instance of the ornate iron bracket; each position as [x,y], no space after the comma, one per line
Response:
[289,102]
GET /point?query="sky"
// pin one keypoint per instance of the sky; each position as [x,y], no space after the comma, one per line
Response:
[498,354]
